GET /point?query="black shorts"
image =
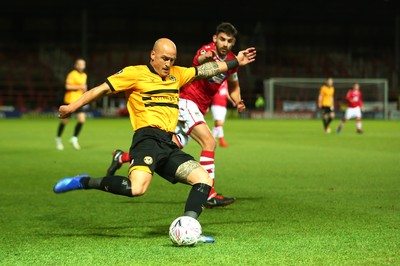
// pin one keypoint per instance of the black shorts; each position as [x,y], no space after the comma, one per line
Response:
[154,148]
[326,109]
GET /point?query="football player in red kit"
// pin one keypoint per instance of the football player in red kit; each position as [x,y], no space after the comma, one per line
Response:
[354,108]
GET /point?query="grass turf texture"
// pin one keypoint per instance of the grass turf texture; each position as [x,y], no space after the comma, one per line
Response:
[303,198]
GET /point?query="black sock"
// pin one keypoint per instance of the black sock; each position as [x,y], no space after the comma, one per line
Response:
[60,129]
[85,181]
[325,122]
[197,198]
[329,121]
[119,185]
[78,128]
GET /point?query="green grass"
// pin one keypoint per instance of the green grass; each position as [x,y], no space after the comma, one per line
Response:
[304,198]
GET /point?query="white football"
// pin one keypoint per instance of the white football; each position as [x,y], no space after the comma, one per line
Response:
[185,231]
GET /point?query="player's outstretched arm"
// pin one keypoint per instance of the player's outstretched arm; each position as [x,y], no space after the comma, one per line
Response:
[210,69]
[246,56]
[86,98]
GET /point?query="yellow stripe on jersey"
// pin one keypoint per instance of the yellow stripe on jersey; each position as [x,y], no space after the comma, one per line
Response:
[151,100]
[74,78]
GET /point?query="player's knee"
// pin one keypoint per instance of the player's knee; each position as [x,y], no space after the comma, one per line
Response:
[138,191]
[213,143]
[199,175]
[202,177]
[203,180]
[209,144]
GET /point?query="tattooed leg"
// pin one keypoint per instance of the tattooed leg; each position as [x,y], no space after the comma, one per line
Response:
[191,172]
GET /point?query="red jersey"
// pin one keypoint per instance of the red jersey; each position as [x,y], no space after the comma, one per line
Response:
[354,98]
[220,98]
[202,91]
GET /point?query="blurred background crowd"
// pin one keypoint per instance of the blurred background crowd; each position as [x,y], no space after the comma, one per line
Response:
[340,39]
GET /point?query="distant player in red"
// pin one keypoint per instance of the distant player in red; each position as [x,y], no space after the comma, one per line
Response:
[354,108]
[219,109]
[194,101]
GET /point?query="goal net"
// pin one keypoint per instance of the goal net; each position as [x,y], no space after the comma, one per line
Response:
[297,97]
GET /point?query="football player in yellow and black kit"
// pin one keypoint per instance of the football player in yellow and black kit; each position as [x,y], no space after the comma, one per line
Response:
[326,104]
[152,93]
[75,86]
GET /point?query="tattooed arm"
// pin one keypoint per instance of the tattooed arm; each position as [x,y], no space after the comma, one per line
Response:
[210,69]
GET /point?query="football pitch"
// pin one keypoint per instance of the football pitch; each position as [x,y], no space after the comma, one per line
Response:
[303,197]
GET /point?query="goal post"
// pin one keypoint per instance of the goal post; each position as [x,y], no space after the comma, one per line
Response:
[297,97]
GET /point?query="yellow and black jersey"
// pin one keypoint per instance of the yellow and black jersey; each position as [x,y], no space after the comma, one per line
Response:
[152,101]
[74,78]
[326,94]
